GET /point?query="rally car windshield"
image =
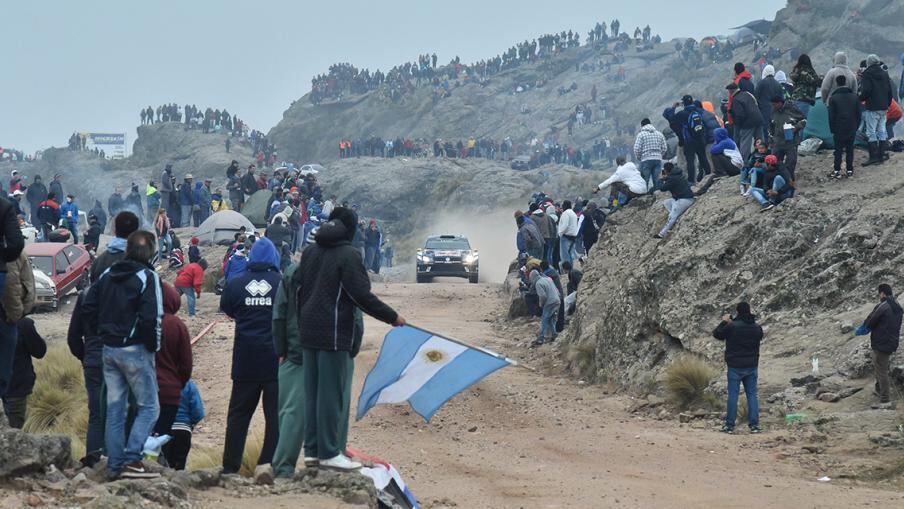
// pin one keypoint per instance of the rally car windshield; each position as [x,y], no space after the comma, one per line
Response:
[447,244]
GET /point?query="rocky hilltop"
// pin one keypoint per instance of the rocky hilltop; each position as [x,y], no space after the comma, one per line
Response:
[655,79]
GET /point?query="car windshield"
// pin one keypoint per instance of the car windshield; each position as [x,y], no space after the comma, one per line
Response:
[43,263]
[448,244]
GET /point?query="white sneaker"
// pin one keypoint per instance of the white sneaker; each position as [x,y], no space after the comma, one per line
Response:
[340,462]
[311,461]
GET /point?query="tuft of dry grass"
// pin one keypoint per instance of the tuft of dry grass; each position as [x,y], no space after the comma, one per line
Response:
[58,403]
[685,381]
[582,358]
[203,457]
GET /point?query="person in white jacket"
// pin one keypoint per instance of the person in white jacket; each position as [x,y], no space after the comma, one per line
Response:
[568,233]
[626,180]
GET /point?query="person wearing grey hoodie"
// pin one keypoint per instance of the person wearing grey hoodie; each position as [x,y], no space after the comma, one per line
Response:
[549,300]
[840,67]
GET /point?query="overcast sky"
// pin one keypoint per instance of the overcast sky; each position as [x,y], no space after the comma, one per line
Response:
[91,65]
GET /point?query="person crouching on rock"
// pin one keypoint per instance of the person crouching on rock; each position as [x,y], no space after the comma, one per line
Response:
[549,301]
[673,180]
[742,336]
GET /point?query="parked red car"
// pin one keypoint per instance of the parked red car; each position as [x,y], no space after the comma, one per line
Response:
[66,264]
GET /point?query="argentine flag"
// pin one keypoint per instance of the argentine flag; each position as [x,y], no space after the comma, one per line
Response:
[425,370]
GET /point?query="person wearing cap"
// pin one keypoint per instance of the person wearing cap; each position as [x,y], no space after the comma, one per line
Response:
[777,186]
[15,182]
[16,198]
[876,90]
[745,118]
[742,337]
[186,200]
[786,127]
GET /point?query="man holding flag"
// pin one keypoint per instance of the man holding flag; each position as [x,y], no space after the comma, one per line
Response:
[332,283]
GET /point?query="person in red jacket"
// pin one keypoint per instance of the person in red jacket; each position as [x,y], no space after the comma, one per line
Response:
[174,361]
[188,283]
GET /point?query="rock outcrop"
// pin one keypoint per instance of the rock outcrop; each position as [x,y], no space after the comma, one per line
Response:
[807,267]
[24,453]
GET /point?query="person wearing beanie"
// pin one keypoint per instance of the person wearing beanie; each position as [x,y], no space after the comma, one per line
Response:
[194,251]
[767,88]
[742,337]
[248,299]
[876,91]
[331,283]
[188,282]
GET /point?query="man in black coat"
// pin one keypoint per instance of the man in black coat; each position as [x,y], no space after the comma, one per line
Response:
[844,120]
[29,344]
[332,282]
[876,92]
[884,327]
[742,336]
[11,245]
[35,194]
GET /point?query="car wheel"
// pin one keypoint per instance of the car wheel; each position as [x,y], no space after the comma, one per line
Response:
[422,279]
[473,279]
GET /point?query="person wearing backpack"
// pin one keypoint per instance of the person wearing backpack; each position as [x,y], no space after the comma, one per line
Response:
[691,130]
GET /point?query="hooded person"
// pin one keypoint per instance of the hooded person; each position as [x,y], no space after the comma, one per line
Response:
[727,159]
[35,194]
[550,300]
[806,82]
[174,360]
[742,337]
[844,120]
[248,299]
[331,282]
[839,67]
[100,214]
[237,264]
[876,91]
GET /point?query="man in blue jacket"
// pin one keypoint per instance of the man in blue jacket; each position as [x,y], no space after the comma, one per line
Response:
[69,214]
[125,309]
[249,299]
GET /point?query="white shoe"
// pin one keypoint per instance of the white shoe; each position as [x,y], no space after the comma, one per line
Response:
[340,462]
[311,462]
[263,475]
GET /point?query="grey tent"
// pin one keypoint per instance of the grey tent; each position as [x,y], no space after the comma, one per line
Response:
[255,208]
[221,227]
[742,35]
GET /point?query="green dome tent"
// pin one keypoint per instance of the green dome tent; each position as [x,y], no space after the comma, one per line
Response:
[818,125]
[255,208]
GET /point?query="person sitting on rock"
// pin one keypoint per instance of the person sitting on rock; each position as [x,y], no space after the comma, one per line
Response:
[777,183]
[673,181]
[626,180]
[726,156]
[755,168]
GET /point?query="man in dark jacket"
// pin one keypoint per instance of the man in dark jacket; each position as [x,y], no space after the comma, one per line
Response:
[100,214]
[123,225]
[248,299]
[11,245]
[234,186]
[281,236]
[787,125]
[125,308]
[332,282]
[28,344]
[167,186]
[673,181]
[745,118]
[249,184]
[766,89]
[844,120]
[186,200]
[742,336]
[373,238]
[690,127]
[876,92]
[884,327]
[35,194]
[56,186]
[778,185]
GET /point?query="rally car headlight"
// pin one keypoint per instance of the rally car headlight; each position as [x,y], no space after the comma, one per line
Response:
[470,258]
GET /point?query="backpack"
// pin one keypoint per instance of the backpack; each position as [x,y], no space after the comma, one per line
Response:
[695,127]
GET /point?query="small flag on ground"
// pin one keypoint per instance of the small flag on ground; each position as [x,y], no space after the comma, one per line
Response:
[424,369]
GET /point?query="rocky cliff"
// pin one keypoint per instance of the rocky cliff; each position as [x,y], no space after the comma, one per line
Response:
[809,268]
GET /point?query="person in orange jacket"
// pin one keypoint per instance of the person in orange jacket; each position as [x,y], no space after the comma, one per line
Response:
[188,282]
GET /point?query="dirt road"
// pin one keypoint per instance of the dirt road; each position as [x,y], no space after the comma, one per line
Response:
[524,439]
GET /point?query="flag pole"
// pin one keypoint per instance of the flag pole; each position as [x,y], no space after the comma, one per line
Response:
[474,347]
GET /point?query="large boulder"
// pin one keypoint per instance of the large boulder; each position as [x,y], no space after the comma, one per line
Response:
[23,453]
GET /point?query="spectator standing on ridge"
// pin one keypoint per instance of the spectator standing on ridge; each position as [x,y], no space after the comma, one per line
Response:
[742,336]
[549,301]
[884,327]
[649,148]
[167,186]
[766,89]
[745,118]
[844,120]
[806,82]
[690,127]
[840,67]
[876,91]
[186,201]
[568,231]
[785,128]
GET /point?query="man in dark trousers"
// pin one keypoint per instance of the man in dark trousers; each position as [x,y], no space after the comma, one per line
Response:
[742,336]
[844,119]
[35,194]
[884,327]
[332,282]
[11,245]
[249,299]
